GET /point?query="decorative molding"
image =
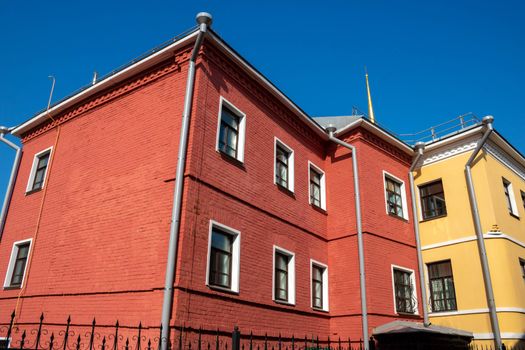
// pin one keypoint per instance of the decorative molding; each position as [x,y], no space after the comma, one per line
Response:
[504,335]
[490,235]
[266,99]
[477,311]
[505,159]
[451,150]
[385,146]
[150,75]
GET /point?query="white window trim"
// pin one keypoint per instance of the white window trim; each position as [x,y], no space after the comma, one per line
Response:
[403,193]
[323,184]
[414,289]
[32,174]
[513,204]
[291,163]
[236,256]
[242,127]
[8,341]
[12,259]
[325,285]
[291,275]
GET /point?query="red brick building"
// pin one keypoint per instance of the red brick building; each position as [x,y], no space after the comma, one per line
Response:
[268,228]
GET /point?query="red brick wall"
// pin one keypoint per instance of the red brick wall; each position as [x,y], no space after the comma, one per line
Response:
[104,231]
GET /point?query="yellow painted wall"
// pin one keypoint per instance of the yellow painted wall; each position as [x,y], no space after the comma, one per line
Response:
[503,254]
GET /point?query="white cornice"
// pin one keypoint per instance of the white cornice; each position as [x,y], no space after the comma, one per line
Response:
[490,235]
[448,150]
[505,159]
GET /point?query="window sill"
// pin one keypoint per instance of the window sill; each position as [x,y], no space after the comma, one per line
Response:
[285,190]
[222,289]
[234,161]
[11,287]
[514,216]
[398,217]
[433,218]
[282,302]
[408,314]
[33,191]
[319,209]
[320,310]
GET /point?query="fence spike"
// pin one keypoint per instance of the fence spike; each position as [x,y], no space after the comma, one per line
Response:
[51,339]
[9,330]
[39,332]
[126,347]
[139,336]
[329,344]
[217,340]
[189,344]
[349,344]
[305,342]
[293,342]
[160,338]
[280,343]
[77,345]
[339,343]
[103,343]
[251,340]
[115,341]
[66,334]
[200,338]
[317,342]
[149,344]
[92,337]
[22,341]
[265,341]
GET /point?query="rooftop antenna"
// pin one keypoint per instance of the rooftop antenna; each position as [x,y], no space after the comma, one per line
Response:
[370,107]
[50,96]
[95,77]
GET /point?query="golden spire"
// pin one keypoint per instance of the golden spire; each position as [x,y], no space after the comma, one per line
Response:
[370,107]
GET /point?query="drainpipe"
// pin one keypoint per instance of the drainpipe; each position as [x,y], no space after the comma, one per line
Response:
[487,121]
[362,281]
[419,148]
[11,183]
[204,20]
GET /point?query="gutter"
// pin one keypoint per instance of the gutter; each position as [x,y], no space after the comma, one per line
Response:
[11,183]
[204,20]
[357,198]
[419,148]
[489,292]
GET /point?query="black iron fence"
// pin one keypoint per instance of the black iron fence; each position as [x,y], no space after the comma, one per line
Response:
[44,335]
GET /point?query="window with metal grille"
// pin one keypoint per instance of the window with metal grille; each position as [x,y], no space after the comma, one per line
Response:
[281,276]
[315,187]
[19,265]
[282,166]
[394,197]
[229,132]
[221,259]
[40,171]
[317,286]
[432,200]
[404,292]
[442,292]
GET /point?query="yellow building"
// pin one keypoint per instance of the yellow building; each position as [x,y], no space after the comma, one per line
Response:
[455,283]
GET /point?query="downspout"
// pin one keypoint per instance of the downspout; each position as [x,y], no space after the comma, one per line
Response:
[11,183]
[204,20]
[357,198]
[487,121]
[419,148]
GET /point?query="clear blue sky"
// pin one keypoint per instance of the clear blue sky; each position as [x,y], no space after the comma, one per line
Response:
[428,61]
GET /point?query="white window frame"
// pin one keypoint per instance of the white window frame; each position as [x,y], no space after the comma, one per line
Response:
[236,256]
[32,174]
[12,260]
[323,184]
[403,193]
[414,290]
[514,206]
[8,341]
[325,285]
[242,127]
[291,275]
[291,163]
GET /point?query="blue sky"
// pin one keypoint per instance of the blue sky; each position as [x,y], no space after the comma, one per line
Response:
[428,61]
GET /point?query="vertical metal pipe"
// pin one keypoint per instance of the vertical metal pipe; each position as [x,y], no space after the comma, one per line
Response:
[360,246]
[419,147]
[11,183]
[479,234]
[204,20]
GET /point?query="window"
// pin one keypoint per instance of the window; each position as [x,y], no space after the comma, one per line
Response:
[284,166]
[37,176]
[231,131]
[17,264]
[4,343]
[317,186]
[395,196]
[432,200]
[509,197]
[522,266]
[442,293]
[404,292]
[319,274]
[223,257]
[283,276]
